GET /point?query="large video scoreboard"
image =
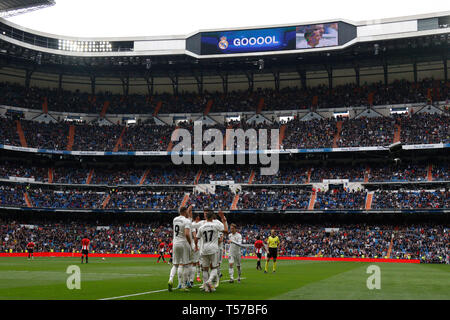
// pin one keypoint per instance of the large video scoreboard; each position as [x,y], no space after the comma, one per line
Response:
[272,39]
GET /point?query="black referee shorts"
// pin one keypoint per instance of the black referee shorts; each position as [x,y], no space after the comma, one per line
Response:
[272,253]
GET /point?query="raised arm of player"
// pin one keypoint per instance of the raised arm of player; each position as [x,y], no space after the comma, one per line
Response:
[190,212]
[224,221]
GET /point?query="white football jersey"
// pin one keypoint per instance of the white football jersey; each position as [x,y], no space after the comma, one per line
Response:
[235,249]
[221,243]
[209,235]
[180,223]
[194,227]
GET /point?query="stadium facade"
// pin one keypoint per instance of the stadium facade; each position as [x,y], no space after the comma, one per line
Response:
[212,63]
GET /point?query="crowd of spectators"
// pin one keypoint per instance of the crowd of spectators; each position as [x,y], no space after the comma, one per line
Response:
[340,199]
[65,199]
[187,175]
[284,198]
[274,199]
[352,173]
[421,199]
[365,132]
[221,199]
[309,134]
[429,243]
[145,199]
[289,98]
[298,134]
[407,172]
[421,128]
[441,172]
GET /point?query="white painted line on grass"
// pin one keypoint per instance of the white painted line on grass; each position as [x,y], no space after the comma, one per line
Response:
[156,291]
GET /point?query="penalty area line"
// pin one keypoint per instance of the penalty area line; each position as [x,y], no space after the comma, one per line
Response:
[156,291]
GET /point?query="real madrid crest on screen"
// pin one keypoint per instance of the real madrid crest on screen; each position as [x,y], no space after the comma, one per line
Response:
[223,43]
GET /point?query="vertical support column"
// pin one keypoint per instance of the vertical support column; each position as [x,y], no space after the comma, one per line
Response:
[415,72]
[92,84]
[445,70]
[224,78]
[150,86]
[329,69]
[199,79]
[251,82]
[60,81]
[174,80]
[302,75]
[276,79]
[357,75]
[28,77]
[125,85]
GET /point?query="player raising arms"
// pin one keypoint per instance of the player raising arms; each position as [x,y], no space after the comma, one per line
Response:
[85,248]
[162,250]
[209,233]
[234,258]
[181,248]
[272,241]
[259,245]
[30,250]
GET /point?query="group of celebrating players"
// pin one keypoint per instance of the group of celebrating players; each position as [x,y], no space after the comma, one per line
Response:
[198,247]
[199,244]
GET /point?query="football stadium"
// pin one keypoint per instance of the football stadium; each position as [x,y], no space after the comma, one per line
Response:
[303,161]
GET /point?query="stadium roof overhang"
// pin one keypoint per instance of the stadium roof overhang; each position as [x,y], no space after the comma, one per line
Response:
[373,43]
[10,8]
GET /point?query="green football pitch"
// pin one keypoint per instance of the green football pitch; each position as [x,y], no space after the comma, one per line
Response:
[142,278]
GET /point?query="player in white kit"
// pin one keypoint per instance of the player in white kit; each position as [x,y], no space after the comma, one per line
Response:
[220,253]
[195,253]
[209,234]
[234,256]
[181,248]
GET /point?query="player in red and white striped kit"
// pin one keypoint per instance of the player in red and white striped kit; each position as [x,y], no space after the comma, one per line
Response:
[85,249]
[259,246]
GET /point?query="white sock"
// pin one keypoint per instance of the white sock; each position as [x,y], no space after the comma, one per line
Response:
[198,271]
[205,276]
[192,273]
[212,275]
[186,274]
[180,276]
[231,271]
[172,273]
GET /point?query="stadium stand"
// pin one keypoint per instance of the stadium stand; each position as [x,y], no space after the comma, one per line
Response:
[426,242]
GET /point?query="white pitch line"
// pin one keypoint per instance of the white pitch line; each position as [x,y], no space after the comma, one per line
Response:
[156,291]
